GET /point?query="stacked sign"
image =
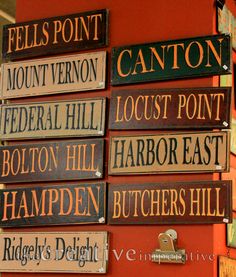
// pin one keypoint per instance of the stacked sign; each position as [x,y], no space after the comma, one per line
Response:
[78,159]
[172,152]
[83,159]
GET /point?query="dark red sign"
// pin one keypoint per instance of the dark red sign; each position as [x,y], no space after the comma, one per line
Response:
[170,203]
[61,160]
[196,108]
[53,35]
[70,203]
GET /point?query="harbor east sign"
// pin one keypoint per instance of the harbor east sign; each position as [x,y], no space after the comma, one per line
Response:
[77,118]
[69,203]
[62,160]
[192,57]
[67,252]
[170,203]
[61,34]
[172,153]
[197,108]
[61,74]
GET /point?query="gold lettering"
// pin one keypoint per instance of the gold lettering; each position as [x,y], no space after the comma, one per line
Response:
[120,72]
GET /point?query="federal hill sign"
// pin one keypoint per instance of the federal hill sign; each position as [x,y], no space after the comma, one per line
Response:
[77,118]
[201,56]
[54,35]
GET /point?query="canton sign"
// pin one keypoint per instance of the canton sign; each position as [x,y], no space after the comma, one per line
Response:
[54,35]
[174,152]
[201,56]
[62,160]
[61,74]
[197,108]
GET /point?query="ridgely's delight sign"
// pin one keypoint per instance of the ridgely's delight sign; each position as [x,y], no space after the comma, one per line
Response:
[68,252]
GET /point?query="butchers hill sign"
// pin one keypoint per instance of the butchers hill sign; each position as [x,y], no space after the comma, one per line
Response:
[201,56]
[61,74]
[53,35]
[170,203]
[173,152]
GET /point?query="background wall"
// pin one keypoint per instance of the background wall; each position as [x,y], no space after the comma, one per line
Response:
[130,23]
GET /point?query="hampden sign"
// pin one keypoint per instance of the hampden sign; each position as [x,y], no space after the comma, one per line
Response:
[196,108]
[61,252]
[64,204]
[169,152]
[61,74]
[170,203]
[61,160]
[61,34]
[201,56]
[77,118]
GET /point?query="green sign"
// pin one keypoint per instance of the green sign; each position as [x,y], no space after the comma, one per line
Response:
[202,56]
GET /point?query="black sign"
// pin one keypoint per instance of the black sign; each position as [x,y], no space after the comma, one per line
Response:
[53,35]
[53,205]
[62,160]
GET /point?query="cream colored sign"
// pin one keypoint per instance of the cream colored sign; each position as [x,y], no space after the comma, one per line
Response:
[61,74]
[62,252]
[175,152]
[233,136]
[77,118]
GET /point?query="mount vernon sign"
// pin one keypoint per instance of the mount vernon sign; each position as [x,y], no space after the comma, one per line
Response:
[173,59]
[77,118]
[170,203]
[62,160]
[53,35]
[61,74]
[197,108]
[68,203]
[67,252]
[173,152]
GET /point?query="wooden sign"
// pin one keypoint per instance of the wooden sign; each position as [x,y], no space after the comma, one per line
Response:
[231,234]
[61,74]
[198,108]
[61,160]
[233,136]
[227,267]
[170,203]
[226,23]
[53,205]
[77,118]
[61,34]
[172,153]
[166,60]
[231,175]
[62,252]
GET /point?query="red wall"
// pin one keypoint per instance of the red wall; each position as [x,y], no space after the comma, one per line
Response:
[134,22]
